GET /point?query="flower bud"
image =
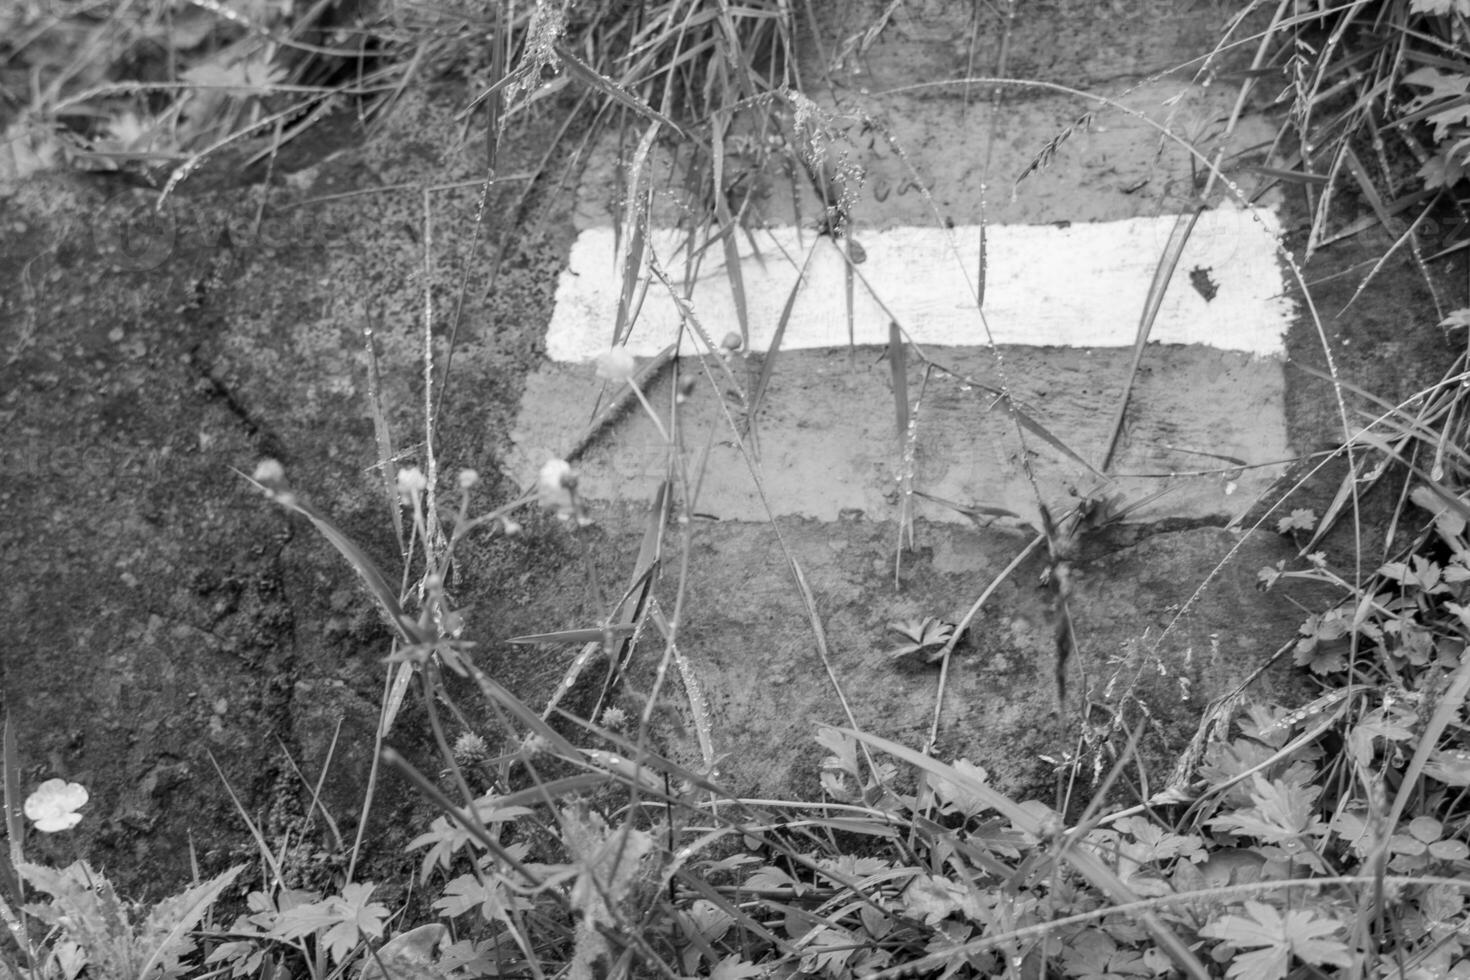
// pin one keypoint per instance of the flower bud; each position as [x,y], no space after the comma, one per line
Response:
[616,365]
[269,471]
[411,482]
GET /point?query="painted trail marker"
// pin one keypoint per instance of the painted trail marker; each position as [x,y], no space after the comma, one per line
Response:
[1062,305]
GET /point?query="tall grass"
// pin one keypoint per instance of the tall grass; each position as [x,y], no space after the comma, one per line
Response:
[1324,839]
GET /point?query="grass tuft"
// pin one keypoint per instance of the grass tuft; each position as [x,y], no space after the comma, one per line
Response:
[1328,839]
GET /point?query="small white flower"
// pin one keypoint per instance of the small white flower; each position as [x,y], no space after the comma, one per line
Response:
[411,481]
[52,807]
[269,471]
[614,718]
[554,486]
[272,479]
[534,744]
[468,478]
[616,365]
[511,528]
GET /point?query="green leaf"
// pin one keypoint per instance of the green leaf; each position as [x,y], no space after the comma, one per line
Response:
[1086,954]
[927,634]
[339,921]
[1419,573]
[829,950]
[1451,767]
[1324,645]
[359,917]
[732,967]
[932,898]
[1299,933]
[770,878]
[1442,8]
[243,955]
[844,751]
[1157,844]
[952,795]
[85,906]
[164,934]
[1284,814]
[408,955]
[607,859]
[1260,964]
[466,893]
[1301,519]
[1447,92]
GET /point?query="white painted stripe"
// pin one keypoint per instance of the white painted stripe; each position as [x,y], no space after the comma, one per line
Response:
[1080,286]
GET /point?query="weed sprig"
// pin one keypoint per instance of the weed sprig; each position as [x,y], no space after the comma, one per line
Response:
[1290,842]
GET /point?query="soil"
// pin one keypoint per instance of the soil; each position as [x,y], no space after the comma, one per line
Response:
[166,619]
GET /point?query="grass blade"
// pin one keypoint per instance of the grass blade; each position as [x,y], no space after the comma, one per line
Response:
[625,620]
[849,253]
[728,228]
[12,892]
[633,609]
[1101,877]
[593,634]
[1022,418]
[635,220]
[1406,238]
[898,365]
[589,76]
[1445,711]
[496,694]
[982,269]
[401,677]
[466,819]
[384,437]
[265,852]
[768,362]
[959,631]
[186,910]
[1163,273]
[366,568]
[15,827]
[693,690]
[316,803]
[983,515]
[1351,487]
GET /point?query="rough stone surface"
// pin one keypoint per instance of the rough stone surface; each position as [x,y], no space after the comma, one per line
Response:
[161,612]
[1141,648]
[826,440]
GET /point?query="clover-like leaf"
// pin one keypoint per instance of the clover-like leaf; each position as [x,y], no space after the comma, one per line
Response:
[1301,519]
[340,921]
[926,637]
[1277,939]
